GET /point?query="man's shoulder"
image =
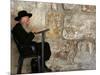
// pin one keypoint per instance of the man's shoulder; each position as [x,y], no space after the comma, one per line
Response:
[18,25]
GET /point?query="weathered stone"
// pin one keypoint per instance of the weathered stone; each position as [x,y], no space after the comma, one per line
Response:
[69,6]
[57,7]
[86,51]
[54,6]
[74,28]
[54,21]
[38,15]
[87,8]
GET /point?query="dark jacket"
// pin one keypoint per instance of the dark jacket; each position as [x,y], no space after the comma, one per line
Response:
[22,36]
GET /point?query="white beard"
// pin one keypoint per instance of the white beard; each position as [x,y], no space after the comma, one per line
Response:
[27,28]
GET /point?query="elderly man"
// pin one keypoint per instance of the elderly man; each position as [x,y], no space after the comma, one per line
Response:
[24,37]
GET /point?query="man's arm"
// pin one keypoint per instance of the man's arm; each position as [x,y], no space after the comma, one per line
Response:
[30,37]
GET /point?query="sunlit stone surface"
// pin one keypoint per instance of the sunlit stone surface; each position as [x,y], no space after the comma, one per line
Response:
[72,34]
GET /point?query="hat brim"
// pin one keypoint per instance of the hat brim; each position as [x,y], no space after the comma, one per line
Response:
[19,17]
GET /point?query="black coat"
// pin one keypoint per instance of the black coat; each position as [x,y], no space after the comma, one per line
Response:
[22,35]
[26,38]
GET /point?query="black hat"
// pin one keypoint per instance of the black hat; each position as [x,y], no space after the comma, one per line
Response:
[22,14]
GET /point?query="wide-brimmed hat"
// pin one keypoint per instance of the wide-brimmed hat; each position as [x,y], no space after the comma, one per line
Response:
[22,14]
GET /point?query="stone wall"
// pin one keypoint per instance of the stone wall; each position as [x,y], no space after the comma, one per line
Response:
[72,34]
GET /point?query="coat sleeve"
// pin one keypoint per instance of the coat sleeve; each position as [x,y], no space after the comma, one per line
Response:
[30,37]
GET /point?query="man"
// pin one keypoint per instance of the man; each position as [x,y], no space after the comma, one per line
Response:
[25,38]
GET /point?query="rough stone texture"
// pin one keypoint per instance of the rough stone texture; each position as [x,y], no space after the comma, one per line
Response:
[54,21]
[72,34]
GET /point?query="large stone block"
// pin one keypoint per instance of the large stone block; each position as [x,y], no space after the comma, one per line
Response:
[85,56]
[79,25]
[54,21]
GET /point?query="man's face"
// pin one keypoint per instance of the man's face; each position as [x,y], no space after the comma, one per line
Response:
[25,20]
